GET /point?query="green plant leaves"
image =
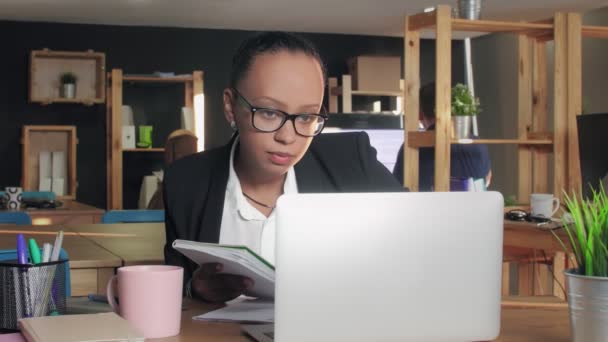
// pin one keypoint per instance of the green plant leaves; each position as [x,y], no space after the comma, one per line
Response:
[68,78]
[463,103]
[588,232]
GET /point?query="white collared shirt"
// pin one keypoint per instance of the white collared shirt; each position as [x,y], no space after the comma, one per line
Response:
[242,223]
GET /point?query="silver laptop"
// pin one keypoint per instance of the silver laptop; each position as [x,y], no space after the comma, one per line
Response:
[387,267]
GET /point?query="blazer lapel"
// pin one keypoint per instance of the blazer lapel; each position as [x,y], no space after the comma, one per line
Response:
[213,207]
[311,175]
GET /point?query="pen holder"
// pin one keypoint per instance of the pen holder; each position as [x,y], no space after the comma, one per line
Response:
[31,291]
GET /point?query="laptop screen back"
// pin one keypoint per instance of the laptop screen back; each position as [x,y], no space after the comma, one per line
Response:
[388,267]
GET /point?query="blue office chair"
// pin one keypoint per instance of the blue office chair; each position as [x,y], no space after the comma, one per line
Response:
[11,254]
[133,216]
[15,217]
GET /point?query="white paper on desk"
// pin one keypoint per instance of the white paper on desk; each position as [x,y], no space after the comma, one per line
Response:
[242,310]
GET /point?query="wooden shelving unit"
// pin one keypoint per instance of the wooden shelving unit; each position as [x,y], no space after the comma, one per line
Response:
[46,67]
[193,85]
[347,92]
[36,139]
[534,142]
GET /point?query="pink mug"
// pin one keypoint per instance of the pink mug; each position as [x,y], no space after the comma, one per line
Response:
[150,298]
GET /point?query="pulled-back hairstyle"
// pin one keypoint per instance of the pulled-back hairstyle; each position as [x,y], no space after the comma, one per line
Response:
[269,42]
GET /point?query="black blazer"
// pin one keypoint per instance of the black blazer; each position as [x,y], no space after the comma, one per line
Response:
[195,186]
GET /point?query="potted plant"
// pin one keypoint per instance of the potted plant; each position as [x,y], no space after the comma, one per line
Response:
[587,284]
[68,85]
[464,105]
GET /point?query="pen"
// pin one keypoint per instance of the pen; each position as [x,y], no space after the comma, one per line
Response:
[25,286]
[38,309]
[21,250]
[46,252]
[54,257]
[34,251]
[17,277]
[57,246]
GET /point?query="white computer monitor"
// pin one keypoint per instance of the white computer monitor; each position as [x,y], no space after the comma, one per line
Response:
[386,142]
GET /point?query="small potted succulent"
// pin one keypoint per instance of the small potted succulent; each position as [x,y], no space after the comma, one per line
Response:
[586,225]
[464,106]
[68,85]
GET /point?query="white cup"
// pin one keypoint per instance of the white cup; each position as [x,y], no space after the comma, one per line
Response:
[13,195]
[544,205]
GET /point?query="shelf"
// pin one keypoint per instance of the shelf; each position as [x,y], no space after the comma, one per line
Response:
[595,31]
[153,149]
[337,91]
[491,26]
[64,100]
[427,139]
[120,184]
[52,148]
[156,79]
[427,21]
[347,92]
[503,141]
[46,67]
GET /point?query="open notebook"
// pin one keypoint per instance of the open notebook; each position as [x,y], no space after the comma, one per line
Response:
[236,260]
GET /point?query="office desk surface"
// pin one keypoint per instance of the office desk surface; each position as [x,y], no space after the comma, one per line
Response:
[91,266]
[518,325]
[148,239]
[82,252]
[143,243]
[71,212]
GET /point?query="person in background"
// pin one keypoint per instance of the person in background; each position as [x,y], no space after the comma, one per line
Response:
[227,195]
[180,143]
[466,161]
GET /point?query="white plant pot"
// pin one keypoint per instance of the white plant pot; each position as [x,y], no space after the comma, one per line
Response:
[68,90]
[588,303]
[461,127]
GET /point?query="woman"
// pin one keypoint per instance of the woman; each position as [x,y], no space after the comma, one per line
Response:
[227,195]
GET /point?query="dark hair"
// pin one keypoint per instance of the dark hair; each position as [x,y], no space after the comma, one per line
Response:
[427,100]
[269,42]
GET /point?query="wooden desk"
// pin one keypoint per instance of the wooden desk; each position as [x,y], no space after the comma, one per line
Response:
[71,212]
[528,236]
[517,325]
[144,245]
[97,250]
[91,266]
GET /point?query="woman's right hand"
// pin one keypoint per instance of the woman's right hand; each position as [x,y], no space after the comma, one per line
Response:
[210,285]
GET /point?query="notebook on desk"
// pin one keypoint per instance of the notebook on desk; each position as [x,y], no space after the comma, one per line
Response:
[387,267]
[75,328]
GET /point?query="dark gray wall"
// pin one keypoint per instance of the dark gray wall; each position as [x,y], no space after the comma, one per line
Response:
[495,72]
[139,50]
[595,65]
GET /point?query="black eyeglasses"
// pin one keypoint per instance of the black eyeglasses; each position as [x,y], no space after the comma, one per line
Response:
[270,120]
